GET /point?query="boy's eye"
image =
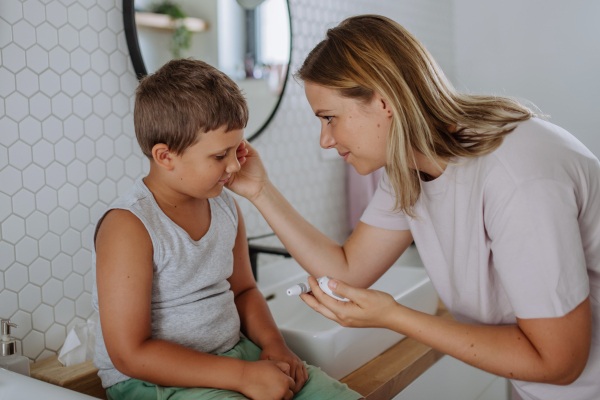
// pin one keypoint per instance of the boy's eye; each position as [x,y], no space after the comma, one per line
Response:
[221,157]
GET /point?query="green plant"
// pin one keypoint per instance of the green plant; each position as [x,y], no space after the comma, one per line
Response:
[182,36]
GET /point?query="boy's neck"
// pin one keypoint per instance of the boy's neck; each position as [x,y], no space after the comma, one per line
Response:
[165,195]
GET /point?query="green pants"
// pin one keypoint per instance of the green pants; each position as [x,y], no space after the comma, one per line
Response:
[319,386]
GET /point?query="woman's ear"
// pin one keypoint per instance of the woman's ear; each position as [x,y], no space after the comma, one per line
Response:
[383,105]
[162,156]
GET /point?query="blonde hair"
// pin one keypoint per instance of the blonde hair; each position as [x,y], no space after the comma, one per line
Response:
[371,53]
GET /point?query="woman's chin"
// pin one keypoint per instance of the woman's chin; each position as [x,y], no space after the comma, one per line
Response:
[364,169]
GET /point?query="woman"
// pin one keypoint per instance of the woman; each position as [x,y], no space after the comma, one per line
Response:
[503,206]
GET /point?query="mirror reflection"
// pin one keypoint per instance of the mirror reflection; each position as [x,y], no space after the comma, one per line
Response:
[249,40]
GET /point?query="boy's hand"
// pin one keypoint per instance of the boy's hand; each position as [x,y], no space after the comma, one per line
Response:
[278,351]
[267,380]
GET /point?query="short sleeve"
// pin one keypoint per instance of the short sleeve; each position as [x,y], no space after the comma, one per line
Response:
[380,212]
[537,249]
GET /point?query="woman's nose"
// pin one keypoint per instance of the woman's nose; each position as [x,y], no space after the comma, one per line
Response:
[327,140]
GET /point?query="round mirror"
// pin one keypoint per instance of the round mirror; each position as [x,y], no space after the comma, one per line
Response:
[249,40]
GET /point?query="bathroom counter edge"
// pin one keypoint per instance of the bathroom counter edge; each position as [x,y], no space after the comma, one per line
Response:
[393,370]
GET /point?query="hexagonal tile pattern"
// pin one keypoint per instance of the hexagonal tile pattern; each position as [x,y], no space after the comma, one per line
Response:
[55,337]
[33,178]
[23,203]
[47,36]
[24,34]
[10,180]
[34,12]
[30,298]
[27,250]
[49,246]
[27,82]
[43,318]
[64,311]
[13,229]
[62,265]
[36,225]
[15,278]
[7,255]
[8,303]
[39,271]
[52,291]
[30,129]
[23,319]
[33,344]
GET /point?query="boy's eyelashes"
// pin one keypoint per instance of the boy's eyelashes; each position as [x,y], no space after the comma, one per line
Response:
[221,157]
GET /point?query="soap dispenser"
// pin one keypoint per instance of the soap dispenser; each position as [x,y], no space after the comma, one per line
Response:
[9,359]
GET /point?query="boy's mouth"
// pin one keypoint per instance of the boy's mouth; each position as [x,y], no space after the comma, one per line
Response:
[224,180]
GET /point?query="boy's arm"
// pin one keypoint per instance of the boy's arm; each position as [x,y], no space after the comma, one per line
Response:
[124,276]
[256,320]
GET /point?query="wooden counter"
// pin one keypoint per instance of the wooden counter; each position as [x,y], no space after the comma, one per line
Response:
[380,379]
[389,373]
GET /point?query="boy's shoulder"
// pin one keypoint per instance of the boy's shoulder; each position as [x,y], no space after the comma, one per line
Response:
[226,201]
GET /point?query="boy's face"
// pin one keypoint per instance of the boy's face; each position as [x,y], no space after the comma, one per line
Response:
[204,168]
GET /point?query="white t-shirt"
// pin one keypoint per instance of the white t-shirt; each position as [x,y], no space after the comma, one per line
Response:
[514,233]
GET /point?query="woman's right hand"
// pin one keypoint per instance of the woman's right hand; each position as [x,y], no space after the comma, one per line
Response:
[267,380]
[252,176]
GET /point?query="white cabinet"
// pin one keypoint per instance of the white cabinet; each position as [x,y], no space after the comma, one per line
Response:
[451,379]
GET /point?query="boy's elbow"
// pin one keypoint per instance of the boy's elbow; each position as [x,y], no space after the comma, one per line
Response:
[124,361]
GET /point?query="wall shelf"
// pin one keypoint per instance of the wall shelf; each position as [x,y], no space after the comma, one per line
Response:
[164,22]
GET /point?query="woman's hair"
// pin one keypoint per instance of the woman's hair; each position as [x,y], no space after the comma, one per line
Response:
[370,53]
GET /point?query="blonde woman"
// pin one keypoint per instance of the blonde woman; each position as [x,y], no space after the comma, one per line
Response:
[503,206]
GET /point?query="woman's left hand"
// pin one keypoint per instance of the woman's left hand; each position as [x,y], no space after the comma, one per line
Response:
[366,308]
[278,351]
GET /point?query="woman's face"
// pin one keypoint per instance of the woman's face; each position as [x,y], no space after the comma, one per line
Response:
[356,130]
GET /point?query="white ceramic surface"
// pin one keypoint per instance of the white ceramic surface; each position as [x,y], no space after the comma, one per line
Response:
[322,342]
[15,386]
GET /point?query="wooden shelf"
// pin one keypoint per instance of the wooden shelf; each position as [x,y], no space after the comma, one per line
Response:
[164,22]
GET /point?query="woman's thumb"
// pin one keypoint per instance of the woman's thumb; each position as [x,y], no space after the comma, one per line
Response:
[340,288]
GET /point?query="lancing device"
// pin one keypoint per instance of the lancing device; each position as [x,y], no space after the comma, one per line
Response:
[304,287]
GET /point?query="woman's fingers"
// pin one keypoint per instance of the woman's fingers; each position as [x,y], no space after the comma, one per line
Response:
[314,303]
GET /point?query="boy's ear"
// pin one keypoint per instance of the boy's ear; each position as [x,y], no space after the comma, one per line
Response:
[162,156]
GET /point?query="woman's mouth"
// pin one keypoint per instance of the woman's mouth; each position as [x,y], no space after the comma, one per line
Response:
[345,155]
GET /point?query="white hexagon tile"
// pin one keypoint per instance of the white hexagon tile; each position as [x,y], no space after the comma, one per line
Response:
[68,149]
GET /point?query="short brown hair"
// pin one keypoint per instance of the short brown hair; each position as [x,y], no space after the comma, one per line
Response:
[181,99]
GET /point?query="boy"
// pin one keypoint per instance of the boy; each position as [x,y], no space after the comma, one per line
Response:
[173,283]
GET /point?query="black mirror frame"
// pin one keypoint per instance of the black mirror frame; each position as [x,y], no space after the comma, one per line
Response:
[140,68]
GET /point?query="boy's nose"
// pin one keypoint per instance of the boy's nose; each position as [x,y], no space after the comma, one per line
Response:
[233,165]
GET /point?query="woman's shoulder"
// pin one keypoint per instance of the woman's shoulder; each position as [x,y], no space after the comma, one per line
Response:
[538,149]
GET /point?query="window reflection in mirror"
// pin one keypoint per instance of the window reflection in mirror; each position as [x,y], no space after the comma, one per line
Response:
[251,45]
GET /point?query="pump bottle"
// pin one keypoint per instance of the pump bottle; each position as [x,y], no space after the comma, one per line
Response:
[9,359]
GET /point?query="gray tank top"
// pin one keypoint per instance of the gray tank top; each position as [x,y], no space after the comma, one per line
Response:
[192,304]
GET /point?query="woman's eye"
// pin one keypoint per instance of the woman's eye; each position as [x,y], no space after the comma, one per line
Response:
[328,119]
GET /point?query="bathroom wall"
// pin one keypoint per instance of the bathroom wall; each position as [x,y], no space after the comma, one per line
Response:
[546,51]
[67,145]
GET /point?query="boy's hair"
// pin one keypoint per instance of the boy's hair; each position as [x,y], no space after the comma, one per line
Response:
[182,99]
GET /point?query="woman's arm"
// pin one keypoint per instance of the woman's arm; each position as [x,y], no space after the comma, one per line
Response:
[547,350]
[256,320]
[365,256]
[124,276]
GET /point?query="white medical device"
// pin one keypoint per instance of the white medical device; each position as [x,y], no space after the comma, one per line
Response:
[304,287]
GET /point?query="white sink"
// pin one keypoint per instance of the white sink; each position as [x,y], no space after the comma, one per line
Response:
[15,386]
[322,342]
